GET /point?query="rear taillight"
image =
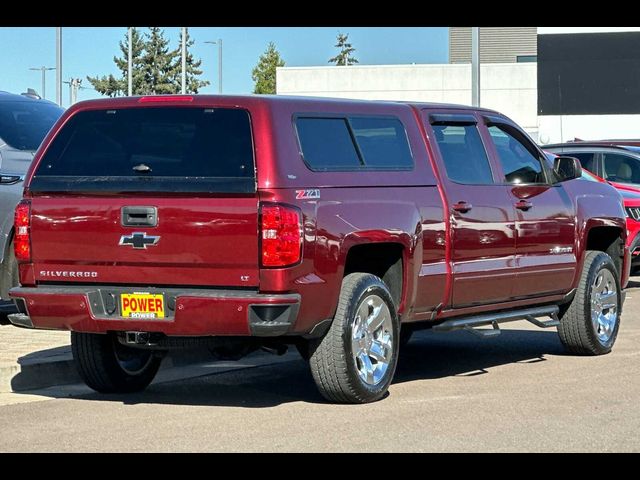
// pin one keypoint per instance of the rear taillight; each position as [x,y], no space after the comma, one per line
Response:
[22,232]
[281,235]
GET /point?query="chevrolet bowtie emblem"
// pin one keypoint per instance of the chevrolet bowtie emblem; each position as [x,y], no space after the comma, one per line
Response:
[139,240]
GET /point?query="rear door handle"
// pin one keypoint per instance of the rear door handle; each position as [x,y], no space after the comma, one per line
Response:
[523,205]
[462,207]
[139,216]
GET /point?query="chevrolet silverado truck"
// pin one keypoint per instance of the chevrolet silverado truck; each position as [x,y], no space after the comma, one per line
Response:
[335,226]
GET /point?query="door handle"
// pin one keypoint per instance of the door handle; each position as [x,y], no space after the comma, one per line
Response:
[523,205]
[139,216]
[462,207]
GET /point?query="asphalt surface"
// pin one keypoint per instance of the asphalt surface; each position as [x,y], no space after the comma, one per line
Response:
[453,392]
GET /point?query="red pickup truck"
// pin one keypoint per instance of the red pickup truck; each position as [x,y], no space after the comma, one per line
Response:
[338,226]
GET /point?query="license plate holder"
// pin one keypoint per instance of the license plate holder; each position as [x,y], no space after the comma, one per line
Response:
[142,306]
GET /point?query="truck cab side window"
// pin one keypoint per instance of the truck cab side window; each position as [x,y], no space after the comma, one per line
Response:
[519,164]
[463,154]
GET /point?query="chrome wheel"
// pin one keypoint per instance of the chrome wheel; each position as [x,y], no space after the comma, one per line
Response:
[372,340]
[604,305]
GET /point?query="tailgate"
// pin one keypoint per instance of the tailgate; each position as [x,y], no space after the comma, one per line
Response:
[197,241]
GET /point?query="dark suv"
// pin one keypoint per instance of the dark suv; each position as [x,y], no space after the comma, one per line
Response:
[24,121]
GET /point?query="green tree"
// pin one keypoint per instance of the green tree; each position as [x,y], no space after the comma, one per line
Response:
[193,83]
[113,87]
[264,73]
[346,51]
[158,64]
[157,69]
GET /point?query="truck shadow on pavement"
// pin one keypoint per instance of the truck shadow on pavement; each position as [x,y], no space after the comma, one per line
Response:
[429,356]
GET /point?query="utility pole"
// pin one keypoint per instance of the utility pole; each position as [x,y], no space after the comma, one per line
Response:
[475,66]
[129,64]
[184,60]
[219,44]
[43,69]
[59,65]
[219,65]
[74,85]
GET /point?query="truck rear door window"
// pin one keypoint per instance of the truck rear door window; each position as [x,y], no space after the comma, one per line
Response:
[354,143]
[149,149]
[463,154]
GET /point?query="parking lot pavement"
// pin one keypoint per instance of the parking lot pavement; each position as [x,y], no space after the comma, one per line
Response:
[452,392]
[34,358]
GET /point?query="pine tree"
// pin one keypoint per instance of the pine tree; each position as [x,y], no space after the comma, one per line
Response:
[346,50]
[264,73]
[159,68]
[113,87]
[193,83]
[156,68]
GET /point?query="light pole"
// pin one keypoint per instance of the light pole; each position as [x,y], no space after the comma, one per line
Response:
[184,60]
[219,43]
[475,66]
[130,63]
[59,65]
[43,69]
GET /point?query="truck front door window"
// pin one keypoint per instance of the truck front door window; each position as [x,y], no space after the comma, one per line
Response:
[519,165]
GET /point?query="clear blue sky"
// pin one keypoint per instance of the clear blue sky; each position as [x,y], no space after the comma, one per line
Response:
[90,51]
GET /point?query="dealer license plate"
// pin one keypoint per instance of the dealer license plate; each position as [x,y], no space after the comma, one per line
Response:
[142,305]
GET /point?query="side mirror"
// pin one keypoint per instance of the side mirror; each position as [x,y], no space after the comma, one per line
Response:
[567,168]
[9,179]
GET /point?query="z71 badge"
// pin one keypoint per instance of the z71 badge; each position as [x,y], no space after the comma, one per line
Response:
[308,194]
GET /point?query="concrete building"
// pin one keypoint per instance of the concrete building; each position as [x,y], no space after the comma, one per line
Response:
[497,44]
[602,101]
[507,87]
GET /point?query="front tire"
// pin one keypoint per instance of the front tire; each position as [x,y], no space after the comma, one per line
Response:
[356,359]
[107,366]
[589,326]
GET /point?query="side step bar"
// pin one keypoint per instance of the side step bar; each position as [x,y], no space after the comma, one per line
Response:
[493,319]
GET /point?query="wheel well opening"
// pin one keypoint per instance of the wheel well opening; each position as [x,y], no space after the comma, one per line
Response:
[381,259]
[608,240]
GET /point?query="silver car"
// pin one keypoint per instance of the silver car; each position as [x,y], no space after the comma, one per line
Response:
[24,121]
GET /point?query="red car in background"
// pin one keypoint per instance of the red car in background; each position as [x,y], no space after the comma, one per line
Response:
[631,199]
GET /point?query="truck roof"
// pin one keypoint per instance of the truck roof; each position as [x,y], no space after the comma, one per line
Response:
[199,99]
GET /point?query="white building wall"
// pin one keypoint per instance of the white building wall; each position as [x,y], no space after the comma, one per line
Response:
[510,88]
[557,129]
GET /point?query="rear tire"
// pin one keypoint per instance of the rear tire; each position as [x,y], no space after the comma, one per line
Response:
[356,359]
[109,367]
[589,326]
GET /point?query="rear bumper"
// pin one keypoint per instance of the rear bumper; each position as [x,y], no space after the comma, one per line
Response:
[190,312]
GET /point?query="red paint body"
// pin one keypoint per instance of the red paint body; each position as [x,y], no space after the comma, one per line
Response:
[492,257]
